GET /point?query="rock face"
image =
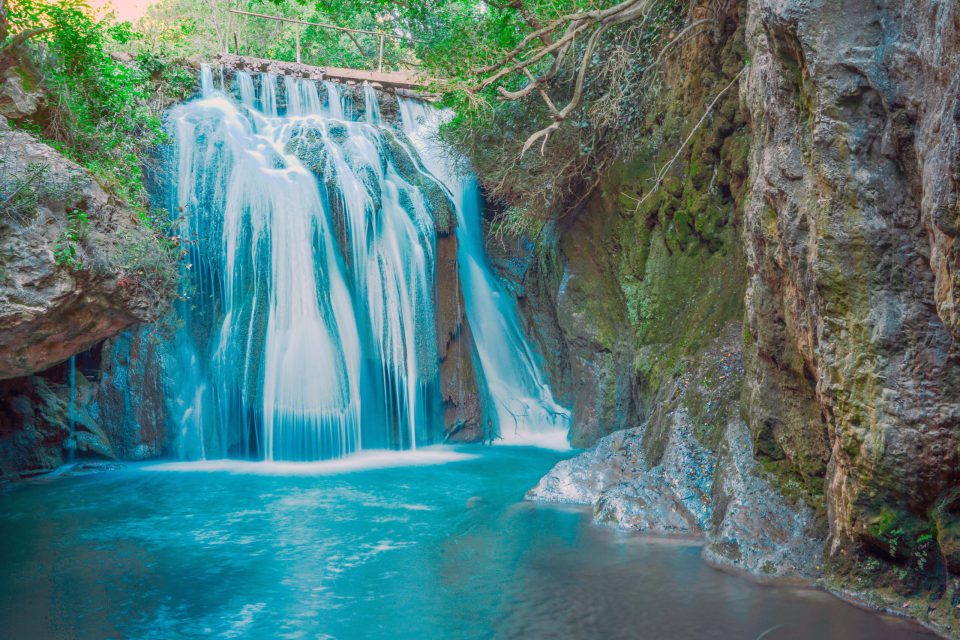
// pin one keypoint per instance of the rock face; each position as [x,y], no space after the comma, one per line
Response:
[458,383]
[624,290]
[131,397]
[854,383]
[75,268]
[64,256]
[690,487]
[20,94]
[34,424]
[117,407]
[848,429]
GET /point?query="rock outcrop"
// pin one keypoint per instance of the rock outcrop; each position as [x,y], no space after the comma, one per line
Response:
[850,237]
[69,276]
[854,383]
[851,404]
[458,382]
[669,477]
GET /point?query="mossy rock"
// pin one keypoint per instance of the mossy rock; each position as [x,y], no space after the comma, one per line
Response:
[946,519]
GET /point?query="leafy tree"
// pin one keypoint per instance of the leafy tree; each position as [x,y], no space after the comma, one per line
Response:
[205,28]
[573,79]
[98,111]
[102,112]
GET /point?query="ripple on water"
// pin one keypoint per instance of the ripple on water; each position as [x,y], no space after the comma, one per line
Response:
[394,552]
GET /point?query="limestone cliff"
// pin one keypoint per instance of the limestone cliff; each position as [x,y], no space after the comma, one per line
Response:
[828,219]
[854,385]
[64,260]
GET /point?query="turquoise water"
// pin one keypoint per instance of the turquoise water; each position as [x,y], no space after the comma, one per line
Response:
[443,548]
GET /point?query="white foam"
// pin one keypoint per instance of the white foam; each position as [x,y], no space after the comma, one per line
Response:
[365,460]
[554,440]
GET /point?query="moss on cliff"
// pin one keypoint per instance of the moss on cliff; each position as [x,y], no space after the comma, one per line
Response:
[642,283]
[679,261]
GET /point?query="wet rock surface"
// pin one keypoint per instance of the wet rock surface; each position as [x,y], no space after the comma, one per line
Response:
[116,409]
[458,384]
[694,489]
[131,399]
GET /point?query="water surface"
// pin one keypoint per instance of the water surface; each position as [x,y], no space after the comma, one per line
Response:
[441,546]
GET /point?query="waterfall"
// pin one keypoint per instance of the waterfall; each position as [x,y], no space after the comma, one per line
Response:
[308,326]
[206,80]
[71,446]
[521,399]
[371,107]
[334,103]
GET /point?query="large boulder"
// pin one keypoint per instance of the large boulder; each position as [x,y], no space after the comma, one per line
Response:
[690,472]
[21,95]
[75,267]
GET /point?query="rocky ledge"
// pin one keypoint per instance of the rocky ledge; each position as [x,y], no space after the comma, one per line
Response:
[73,263]
[673,476]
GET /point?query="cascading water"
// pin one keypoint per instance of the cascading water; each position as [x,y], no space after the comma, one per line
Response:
[522,403]
[309,331]
[71,409]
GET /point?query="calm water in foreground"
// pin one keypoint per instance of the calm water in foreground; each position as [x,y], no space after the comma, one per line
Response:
[443,550]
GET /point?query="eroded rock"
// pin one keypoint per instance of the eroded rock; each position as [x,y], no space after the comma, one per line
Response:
[20,94]
[850,232]
[69,276]
[698,487]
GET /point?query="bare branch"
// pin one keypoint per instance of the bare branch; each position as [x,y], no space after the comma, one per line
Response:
[574,100]
[663,171]
[680,36]
[18,40]
[623,12]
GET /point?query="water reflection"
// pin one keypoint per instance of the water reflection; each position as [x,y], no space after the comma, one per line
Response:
[441,550]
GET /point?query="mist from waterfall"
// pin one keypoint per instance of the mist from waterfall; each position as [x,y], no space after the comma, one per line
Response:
[309,329]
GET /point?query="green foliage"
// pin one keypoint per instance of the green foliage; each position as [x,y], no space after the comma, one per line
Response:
[551,179]
[25,186]
[103,111]
[99,114]
[888,528]
[150,258]
[871,565]
[20,192]
[205,28]
[66,249]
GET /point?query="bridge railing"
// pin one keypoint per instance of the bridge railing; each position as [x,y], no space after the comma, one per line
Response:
[382,36]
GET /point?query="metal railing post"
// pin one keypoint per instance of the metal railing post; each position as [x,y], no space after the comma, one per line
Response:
[380,57]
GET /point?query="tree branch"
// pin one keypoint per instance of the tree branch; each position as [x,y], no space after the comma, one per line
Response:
[18,40]
[662,174]
[574,100]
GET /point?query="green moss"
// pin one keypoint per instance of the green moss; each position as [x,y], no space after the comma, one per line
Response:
[27,79]
[793,479]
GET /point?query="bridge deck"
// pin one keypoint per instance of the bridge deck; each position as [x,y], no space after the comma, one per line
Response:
[403,80]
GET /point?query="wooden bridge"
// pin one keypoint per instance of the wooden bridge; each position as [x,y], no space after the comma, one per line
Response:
[404,81]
